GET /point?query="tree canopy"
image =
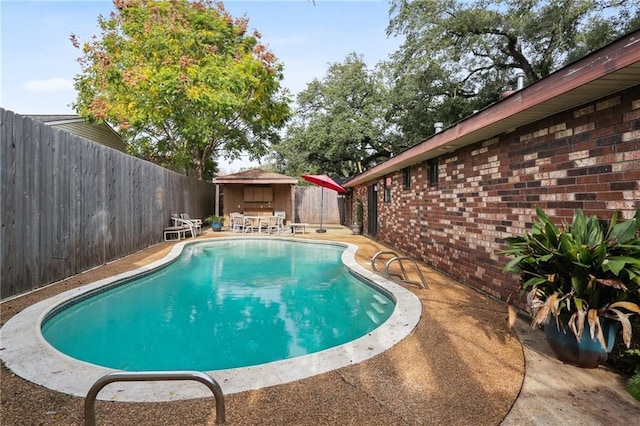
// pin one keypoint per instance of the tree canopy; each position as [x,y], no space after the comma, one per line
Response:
[184,82]
[339,125]
[458,55]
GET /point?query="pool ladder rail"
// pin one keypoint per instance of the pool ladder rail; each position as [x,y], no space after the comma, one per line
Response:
[147,376]
[403,277]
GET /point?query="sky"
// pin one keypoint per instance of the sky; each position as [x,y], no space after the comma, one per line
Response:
[39,62]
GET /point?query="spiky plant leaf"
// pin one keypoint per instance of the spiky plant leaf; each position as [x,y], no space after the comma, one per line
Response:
[576,322]
[627,329]
[626,305]
[531,282]
[568,246]
[514,264]
[550,306]
[596,330]
[599,254]
[578,227]
[613,283]
[624,231]
[618,263]
[578,284]
[512,315]
[551,233]
[544,219]
[612,223]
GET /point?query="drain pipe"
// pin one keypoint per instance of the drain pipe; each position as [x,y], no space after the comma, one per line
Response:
[438,126]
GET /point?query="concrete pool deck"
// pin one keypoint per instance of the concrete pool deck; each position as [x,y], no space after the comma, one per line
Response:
[29,356]
[460,365]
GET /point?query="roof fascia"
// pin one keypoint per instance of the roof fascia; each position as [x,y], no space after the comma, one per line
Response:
[256,181]
[528,105]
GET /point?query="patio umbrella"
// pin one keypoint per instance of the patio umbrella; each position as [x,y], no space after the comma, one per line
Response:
[323,181]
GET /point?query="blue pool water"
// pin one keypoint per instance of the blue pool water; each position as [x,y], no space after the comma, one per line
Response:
[222,305]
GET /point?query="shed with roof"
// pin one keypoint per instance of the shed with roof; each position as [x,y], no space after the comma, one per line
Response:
[255,192]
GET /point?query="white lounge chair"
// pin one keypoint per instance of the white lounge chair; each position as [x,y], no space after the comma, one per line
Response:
[172,233]
[187,225]
[196,223]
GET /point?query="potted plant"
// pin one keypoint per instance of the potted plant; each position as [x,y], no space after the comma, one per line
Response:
[586,276]
[216,222]
[356,224]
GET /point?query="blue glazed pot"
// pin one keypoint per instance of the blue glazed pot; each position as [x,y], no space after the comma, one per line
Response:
[586,352]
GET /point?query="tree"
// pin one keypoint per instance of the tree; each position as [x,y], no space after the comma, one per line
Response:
[459,55]
[339,126]
[183,82]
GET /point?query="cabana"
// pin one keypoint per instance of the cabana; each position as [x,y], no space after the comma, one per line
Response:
[255,192]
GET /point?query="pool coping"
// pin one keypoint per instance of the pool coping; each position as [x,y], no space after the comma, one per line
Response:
[31,357]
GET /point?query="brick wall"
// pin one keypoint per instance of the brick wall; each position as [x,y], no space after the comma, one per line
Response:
[587,158]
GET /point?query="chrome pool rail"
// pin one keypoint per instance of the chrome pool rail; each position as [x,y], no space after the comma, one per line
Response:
[147,376]
[403,277]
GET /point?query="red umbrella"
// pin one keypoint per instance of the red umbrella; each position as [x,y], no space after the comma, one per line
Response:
[323,181]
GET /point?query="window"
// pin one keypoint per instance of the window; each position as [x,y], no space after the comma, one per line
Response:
[387,189]
[433,171]
[406,178]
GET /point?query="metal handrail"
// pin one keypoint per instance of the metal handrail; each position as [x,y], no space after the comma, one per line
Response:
[378,254]
[146,376]
[404,276]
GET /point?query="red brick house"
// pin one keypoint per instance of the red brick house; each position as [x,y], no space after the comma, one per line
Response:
[569,141]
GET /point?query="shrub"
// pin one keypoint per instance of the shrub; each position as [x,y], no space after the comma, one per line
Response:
[633,386]
[589,268]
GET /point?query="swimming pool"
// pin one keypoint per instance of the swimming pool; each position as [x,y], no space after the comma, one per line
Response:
[28,355]
[223,304]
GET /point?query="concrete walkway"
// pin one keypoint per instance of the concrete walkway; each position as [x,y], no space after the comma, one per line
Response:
[555,393]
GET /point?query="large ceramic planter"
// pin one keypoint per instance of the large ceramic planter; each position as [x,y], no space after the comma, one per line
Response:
[216,227]
[586,352]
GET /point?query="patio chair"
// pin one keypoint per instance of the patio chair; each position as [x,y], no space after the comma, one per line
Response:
[263,224]
[196,223]
[282,217]
[186,225]
[237,222]
[173,233]
[248,225]
[273,224]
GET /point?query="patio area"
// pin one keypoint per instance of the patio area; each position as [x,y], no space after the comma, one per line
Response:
[459,366]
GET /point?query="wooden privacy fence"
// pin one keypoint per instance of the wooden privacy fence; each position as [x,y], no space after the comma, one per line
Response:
[69,204]
[307,205]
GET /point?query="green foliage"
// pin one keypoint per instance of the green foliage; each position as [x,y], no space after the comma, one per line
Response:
[358,213]
[589,268]
[627,360]
[633,386]
[458,55]
[623,359]
[184,83]
[340,126]
[211,219]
